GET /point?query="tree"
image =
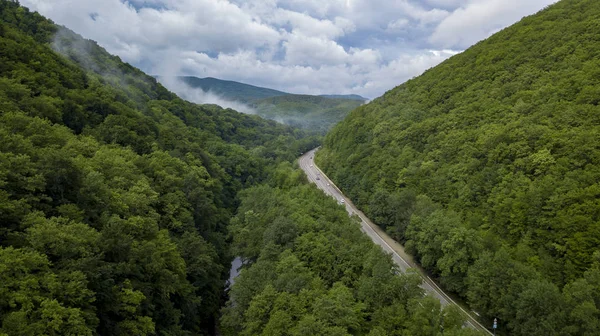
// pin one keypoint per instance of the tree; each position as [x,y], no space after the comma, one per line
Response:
[459,252]
[539,310]
[30,294]
[339,308]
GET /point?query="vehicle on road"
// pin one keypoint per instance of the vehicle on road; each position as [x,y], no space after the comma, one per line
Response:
[342,201]
[318,178]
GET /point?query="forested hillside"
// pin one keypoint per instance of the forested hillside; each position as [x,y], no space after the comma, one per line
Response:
[240,92]
[488,166]
[348,96]
[315,113]
[308,112]
[309,270]
[114,193]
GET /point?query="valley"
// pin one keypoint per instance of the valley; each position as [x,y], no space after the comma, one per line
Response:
[467,194]
[309,112]
[404,262]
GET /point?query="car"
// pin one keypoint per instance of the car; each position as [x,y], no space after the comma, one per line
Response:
[328,184]
[342,201]
[311,165]
[318,178]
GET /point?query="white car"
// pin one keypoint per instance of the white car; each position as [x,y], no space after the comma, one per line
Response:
[311,165]
[342,201]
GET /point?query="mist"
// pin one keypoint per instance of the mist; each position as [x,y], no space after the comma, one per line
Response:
[199,96]
[72,46]
[76,48]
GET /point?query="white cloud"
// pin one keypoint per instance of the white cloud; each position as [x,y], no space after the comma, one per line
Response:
[478,19]
[217,26]
[313,51]
[364,75]
[398,25]
[446,3]
[305,46]
[309,26]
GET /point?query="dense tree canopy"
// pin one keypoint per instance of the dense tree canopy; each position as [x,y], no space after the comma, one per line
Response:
[114,193]
[309,270]
[487,167]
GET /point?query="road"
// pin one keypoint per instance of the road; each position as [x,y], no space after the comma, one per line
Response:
[379,237]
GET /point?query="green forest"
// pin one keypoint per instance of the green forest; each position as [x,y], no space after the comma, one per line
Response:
[231,90]
[122,206]
[115,195]
[309,270]
[316,114]
[487,168]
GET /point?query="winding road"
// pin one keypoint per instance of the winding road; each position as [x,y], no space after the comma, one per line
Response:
[379,237]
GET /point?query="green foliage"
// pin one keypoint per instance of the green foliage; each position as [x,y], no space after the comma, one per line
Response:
[347,96]
[487,167]
[315,113]
[241,92]
[309,112]
[115,194]
[35,300]
[309,270]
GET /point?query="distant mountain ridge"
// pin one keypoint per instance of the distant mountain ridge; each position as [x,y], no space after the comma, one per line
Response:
[348,96]
[245,93]
[241,92]
[317,113]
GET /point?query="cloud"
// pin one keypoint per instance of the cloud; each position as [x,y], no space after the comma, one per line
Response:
[314,51]
[362,75]
[305,46]
[478,19]
[309,26]
[218,26]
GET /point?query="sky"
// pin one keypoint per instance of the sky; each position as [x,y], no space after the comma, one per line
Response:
[363,47]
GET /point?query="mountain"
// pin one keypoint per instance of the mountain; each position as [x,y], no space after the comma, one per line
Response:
[308,112]
[487,168]
[316,113]
[246,93]
[115,194]
[350,96]
[122,205]
[240,92]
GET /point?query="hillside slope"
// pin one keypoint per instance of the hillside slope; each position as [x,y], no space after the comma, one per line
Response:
[116,211]
[114,193]
[309,270]
[243,93]
[316,113]
[309,112]
[349,96]
[488,168]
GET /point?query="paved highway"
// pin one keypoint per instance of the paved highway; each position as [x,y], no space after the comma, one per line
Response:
[379,237]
